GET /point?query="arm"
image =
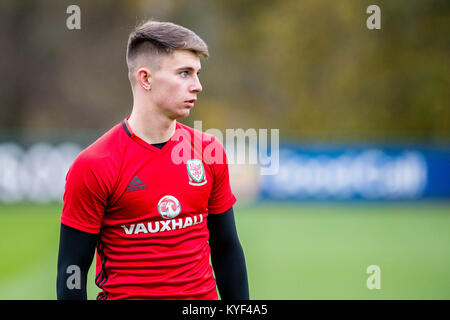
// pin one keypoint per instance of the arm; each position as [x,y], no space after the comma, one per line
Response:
[76,248]
[84,204]
[227,257]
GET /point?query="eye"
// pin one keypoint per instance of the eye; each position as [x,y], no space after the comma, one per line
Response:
[184,74]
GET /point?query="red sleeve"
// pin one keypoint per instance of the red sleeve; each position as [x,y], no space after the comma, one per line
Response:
[84,198]
[221,198]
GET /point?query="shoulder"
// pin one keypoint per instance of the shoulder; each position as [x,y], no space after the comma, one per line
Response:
[208,140]
[212,151]
[101,153]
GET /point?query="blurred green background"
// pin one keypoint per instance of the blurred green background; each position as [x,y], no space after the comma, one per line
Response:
[309,68]
[293,251]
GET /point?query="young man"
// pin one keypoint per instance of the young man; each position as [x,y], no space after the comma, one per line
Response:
[147,196]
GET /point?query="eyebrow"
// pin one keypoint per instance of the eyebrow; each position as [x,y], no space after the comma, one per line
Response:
[187,68]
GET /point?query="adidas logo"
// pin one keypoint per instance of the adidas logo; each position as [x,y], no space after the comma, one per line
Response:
[136,185]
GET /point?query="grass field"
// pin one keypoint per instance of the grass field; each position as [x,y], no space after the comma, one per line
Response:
[293,251]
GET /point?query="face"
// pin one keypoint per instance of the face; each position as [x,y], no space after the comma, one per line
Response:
[175,84]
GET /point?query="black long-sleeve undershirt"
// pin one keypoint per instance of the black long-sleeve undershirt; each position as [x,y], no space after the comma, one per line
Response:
[77,248]
[227,257]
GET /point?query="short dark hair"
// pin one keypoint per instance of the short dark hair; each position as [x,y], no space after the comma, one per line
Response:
[154,38]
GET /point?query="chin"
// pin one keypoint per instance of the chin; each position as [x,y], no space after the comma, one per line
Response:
[181,115]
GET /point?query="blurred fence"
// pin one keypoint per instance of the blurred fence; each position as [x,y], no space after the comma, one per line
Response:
[36,172]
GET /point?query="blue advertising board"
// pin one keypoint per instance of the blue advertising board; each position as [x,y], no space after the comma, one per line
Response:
[359,172]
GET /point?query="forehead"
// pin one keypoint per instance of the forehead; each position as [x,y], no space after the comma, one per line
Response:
[179,59]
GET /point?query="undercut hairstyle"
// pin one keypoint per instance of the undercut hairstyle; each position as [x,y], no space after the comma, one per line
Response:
[154,39]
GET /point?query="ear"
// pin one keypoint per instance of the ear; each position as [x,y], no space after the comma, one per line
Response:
[143,78]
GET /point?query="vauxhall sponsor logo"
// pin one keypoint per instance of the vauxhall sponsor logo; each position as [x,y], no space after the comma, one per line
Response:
[163,225]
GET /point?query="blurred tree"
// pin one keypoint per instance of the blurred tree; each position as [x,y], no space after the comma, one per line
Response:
[310,68]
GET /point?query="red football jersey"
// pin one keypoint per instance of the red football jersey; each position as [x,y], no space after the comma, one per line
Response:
[150,206]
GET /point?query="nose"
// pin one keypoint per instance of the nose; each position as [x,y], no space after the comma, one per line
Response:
[196,86]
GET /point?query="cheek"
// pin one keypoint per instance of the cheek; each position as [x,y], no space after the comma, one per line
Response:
[167,91]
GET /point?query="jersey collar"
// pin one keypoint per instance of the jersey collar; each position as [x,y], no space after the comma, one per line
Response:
[132,135]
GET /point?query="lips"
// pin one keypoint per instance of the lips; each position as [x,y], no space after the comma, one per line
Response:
[190,103]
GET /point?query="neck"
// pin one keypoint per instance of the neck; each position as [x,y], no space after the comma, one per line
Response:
[150,126]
